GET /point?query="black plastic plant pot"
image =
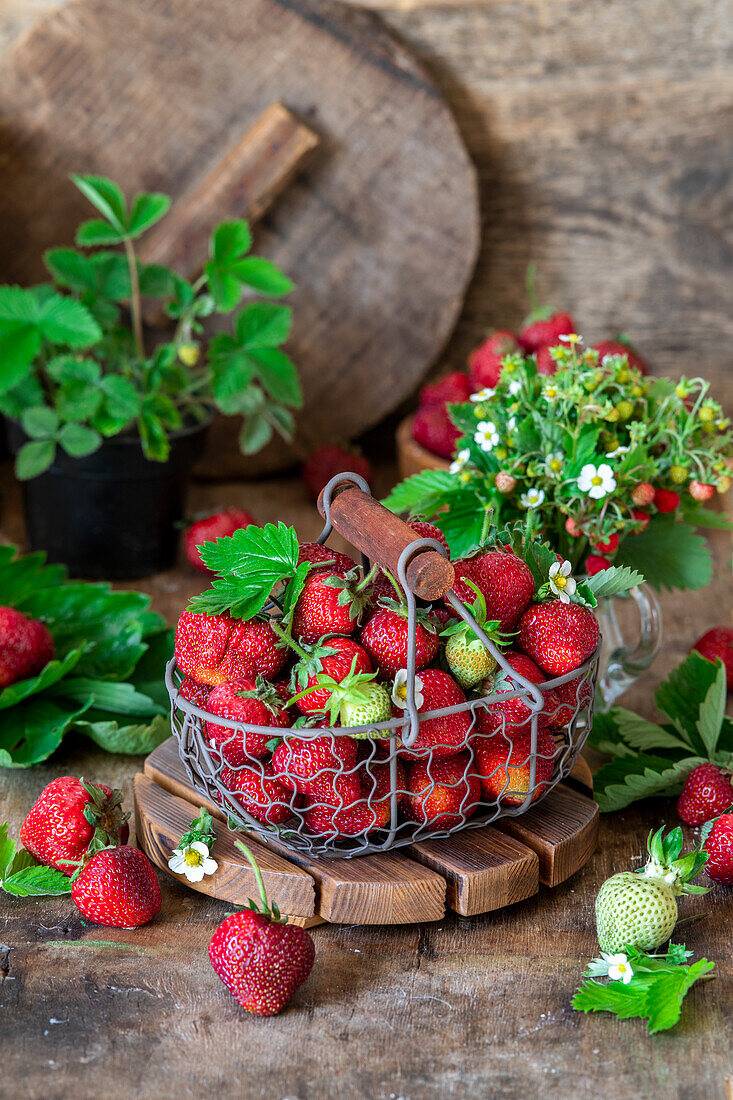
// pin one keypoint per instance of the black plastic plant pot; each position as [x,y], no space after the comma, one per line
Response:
[113,515]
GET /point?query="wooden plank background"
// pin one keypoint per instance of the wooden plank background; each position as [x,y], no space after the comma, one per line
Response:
[603,135]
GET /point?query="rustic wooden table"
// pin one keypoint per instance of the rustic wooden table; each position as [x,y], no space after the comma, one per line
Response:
[460,1008]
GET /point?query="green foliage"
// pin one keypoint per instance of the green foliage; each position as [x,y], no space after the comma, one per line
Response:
[108,666]
[75,372]
[574,446]
[654,993]
[22,876]
[650,759]
[249,564]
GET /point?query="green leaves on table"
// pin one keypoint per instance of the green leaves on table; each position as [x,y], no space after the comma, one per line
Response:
[22,876]
[250,564]
[106,679]
[653,759]
[654,993]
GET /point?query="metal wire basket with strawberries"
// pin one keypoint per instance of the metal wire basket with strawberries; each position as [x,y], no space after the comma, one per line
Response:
[377,705]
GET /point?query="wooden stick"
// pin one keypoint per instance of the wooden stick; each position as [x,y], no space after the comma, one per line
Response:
[382,536]
[242,185]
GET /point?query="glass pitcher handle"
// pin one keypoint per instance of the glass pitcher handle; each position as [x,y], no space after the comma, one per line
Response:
[624,665]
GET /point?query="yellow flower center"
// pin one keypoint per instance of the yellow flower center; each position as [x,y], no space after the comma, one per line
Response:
[401,692]
[596,480]
[556,465]
[193,858]
[560,580]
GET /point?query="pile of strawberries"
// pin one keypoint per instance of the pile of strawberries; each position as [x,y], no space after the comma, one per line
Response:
[433,427]
[340,664]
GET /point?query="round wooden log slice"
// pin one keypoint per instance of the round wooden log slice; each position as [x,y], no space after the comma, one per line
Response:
[471,872]
[379,232]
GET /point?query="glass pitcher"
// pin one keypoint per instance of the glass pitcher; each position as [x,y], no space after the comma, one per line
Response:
[623,662]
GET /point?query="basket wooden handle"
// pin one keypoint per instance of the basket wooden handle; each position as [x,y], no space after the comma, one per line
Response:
[382,536]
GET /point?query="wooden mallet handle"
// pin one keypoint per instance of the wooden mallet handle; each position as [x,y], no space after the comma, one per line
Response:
[382,536]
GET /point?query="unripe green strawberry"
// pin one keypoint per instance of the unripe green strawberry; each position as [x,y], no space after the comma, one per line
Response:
[371,703]
[468,659]
[354,700]
[639,908]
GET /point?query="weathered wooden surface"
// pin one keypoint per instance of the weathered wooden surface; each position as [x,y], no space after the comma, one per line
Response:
[462,1008]
[379,233]
[602,133]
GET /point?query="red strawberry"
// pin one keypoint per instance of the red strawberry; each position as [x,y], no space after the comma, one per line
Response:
[70,818]
[545,330]
[617,347]
[434,430]
[596,563]
[640,517]
[193,692]
[707,792]
[719,847]
[327,461]
[445,736]
[211,528]
[441,794]
[558,636]
[572,528]
[317,554]
[545,362]
[643,493]
[371,810]
[701,491]
[319,767]
[510,713]
[335,657]
[261,960]
[26,646]
[484,363]
[260,793]
[385,638]
[717,644]
[213,649]
[573,697]
[665,500]
[331,602]
[504,765]
[453,389]
[504,580]
[609,546]
[244,700]
[117,887]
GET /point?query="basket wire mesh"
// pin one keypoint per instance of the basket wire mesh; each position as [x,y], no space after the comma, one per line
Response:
[331,820]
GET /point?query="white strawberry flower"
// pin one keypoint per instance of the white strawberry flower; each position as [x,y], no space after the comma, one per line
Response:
[193,861]
[561,582]
[460,461]
[618,452]
[551,392]
[399,690]
[511,423]
[482,395]
[515,387]
[554,464]
[486,435]
[619,968]
[570,338]
[533,498]
[596,481]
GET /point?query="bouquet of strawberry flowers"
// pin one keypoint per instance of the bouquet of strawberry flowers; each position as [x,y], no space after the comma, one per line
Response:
[612,466]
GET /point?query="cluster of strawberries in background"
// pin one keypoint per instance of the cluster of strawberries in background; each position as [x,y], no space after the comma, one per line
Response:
[342,662]
[433,427]
[26,646]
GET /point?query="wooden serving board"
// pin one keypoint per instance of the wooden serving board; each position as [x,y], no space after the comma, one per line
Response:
[379,232]
[471,872]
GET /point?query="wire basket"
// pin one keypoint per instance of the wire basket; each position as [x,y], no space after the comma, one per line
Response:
[495,770]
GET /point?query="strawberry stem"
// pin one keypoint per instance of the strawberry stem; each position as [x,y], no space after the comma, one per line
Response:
[288,639]
[266,911]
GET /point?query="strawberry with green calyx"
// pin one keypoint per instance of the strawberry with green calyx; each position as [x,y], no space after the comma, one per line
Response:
[72,818]
[385,637]
[467,657]
[357,700]
[639,908]
[258,956]
[717,842]
[330,602]
[255,702]
[333,655]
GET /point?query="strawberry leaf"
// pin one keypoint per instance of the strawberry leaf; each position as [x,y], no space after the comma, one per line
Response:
[628,778]
[36,881]
[712,710]
[126,739]
[680,696]
[669,554]
[613,581]
[249,563]
[425,493]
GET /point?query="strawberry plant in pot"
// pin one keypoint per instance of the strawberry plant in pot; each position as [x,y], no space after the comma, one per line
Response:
[105,422]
